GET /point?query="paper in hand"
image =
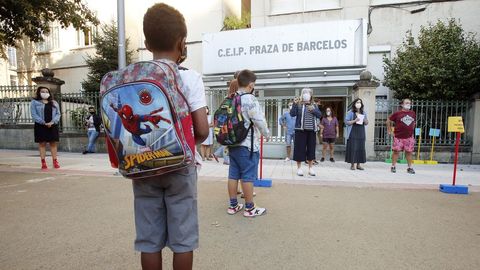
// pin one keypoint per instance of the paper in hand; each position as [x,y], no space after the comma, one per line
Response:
[360,119]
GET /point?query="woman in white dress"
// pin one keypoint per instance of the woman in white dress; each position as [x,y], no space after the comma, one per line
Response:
[206,147]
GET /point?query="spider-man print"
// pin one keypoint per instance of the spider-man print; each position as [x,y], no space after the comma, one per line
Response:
[131,122]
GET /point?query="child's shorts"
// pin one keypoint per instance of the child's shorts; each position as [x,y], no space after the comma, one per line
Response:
[289,138]
[166,212]
[243,166]
[406,145]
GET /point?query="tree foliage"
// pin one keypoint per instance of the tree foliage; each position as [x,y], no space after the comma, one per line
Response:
[233,22]
[443,65]
[32,18]
[106,57]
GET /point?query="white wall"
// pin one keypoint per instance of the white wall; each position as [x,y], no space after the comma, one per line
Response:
[389,24]
[68,61]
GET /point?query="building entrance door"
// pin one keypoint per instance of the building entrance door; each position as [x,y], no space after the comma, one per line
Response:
[337,104]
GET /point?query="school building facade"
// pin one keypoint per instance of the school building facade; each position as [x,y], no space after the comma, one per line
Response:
[321,44]
[325,45]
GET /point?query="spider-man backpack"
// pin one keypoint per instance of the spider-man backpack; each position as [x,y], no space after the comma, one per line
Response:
[147,119]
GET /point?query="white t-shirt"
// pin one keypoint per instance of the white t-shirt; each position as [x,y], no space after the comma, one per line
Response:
[193,89]
[194,92]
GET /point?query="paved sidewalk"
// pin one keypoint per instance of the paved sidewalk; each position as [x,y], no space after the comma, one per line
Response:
[376,174]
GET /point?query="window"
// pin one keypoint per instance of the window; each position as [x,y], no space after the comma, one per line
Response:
[51,41]
[13,80]
[296,6]
[85,37]
[12,56]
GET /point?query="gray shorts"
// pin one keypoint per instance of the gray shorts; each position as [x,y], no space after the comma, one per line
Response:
[166,212]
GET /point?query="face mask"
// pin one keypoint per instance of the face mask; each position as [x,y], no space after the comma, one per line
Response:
[329,113]
[92,112]
[358,105]
[407,106]
[45,95]
[306,97]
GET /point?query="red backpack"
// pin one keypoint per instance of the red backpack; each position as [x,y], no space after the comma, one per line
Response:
[147,119]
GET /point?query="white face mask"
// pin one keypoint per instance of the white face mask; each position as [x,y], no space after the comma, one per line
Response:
[290,107]
[407,106]
[329,113]
[358,105]
[45,95]
[306,97]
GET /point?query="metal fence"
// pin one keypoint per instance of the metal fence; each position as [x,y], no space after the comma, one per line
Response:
[15,104]
[15,107]
[273,108]
[15,110]
[430,114]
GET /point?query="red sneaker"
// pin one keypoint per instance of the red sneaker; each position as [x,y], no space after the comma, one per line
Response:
[55,164]
[44,165]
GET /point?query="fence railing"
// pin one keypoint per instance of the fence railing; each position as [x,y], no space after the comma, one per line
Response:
[15,110]
[15,104]
[273,108]
[430,114]
[15,107]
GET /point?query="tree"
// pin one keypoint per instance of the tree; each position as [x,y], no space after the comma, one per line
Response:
[106,57]
[32,18]
[444,65]
[232,22]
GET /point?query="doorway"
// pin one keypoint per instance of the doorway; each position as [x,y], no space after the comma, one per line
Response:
[337,104]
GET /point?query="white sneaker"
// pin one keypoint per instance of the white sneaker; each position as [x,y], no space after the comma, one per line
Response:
[311,172]
[300,172]
[287,159]
[255,211]
[234,210]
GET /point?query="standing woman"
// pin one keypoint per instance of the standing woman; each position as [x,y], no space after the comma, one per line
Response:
[306,112]
[356,120]
[329,133]
[46,114]
[206,148]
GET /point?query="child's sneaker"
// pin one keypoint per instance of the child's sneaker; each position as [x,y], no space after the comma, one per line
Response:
[311,172]
[255,211]
[410,171]
[300,172]
[233,210]
[393,169]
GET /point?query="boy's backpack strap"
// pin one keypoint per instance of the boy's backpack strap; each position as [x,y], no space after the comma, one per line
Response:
[252,139]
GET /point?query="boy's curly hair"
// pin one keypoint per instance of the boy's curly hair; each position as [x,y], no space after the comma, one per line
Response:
[163,26]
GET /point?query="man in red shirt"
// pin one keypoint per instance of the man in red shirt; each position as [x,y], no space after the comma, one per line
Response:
[403,140]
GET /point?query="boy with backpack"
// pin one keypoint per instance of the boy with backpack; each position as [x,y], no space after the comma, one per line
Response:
[159,127]
[244,156]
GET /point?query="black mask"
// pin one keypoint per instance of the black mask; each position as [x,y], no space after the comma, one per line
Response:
[92,112]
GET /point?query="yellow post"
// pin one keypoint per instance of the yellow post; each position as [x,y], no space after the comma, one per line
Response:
[431,161]
[418,161]
[419,142]
[433,146]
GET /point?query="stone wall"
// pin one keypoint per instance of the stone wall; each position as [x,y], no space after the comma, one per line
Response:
[21,137]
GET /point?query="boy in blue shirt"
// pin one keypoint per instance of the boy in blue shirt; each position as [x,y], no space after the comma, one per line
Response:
[288,123]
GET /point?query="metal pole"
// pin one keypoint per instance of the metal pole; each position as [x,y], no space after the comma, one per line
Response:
[121,33]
